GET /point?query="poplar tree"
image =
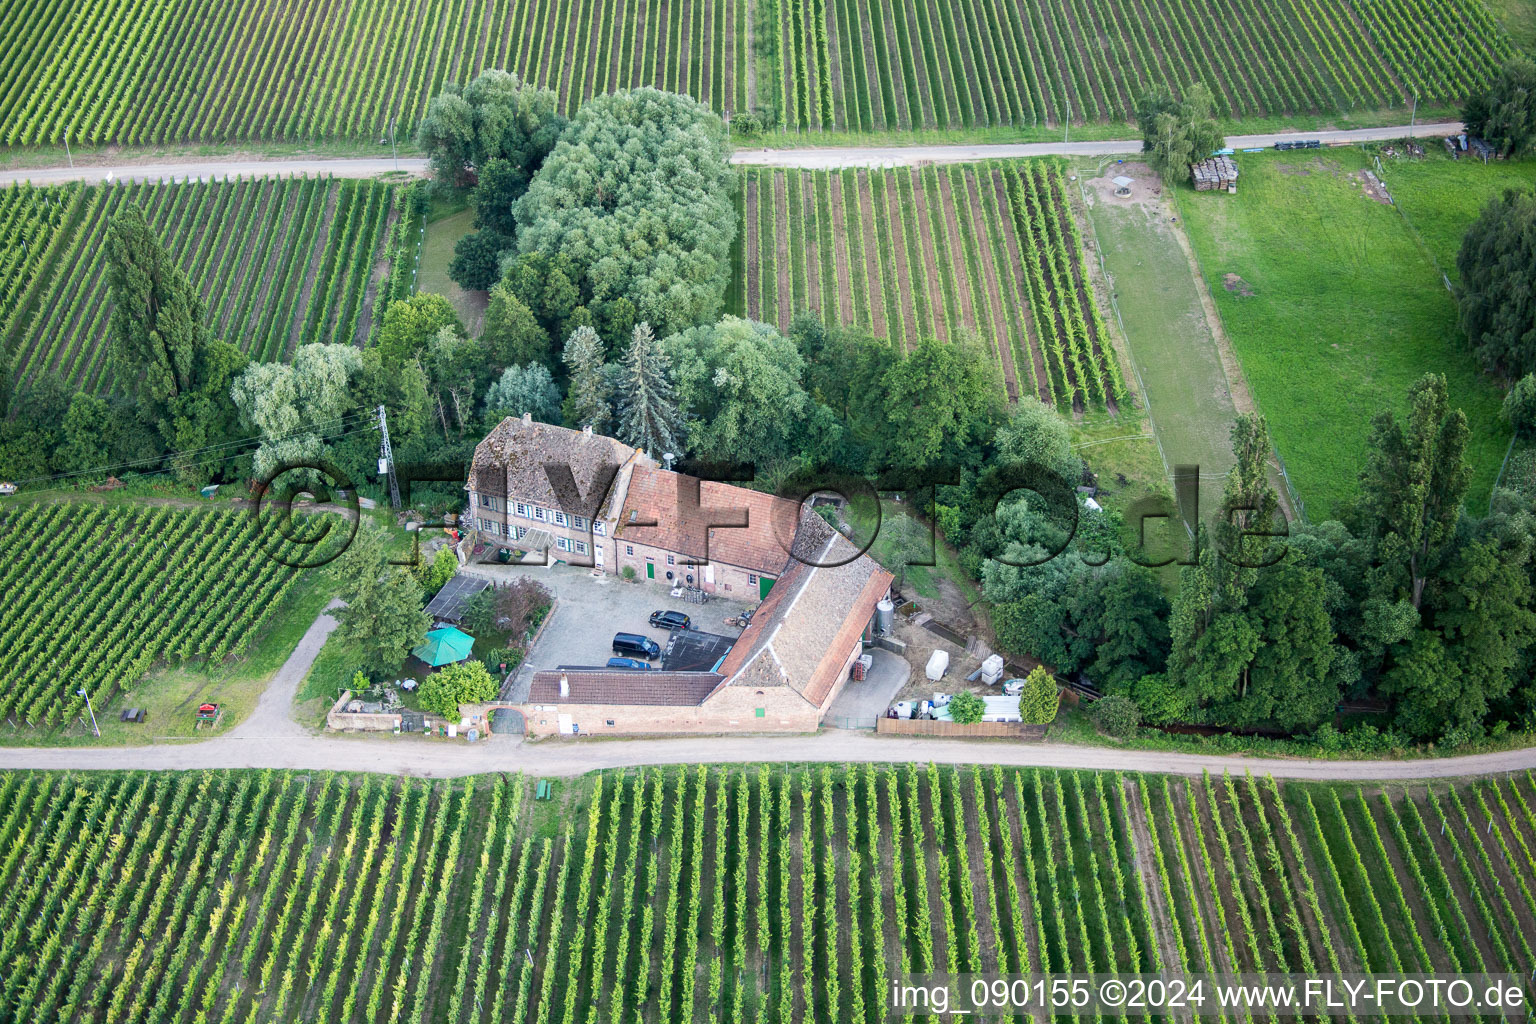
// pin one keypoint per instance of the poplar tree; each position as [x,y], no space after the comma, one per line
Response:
[176,370]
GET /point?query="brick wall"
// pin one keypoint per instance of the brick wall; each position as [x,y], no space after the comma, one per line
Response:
[733,710]
[739,583]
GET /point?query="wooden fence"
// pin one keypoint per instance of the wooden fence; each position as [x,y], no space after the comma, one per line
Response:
[987,730]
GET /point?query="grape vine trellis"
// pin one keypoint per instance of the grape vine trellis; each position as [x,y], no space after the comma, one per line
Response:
[96,595]
[739,893]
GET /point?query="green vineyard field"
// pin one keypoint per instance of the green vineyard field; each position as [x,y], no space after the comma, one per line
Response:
[97,595]
[145,73]
[212,70]
[721,894]
[927,252]
[279,263]
[903,64]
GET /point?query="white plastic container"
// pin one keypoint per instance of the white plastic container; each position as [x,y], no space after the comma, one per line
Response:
[938,664]
[992,670]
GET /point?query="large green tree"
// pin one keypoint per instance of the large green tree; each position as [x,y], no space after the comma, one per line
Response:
[497,116]
[294,406]
[523,389]
[409,325]
[1178,133]
[738,381]
[1497,263]
[164,351]
[637,194]
[383,618]
[648,415]
[943,401]
[1412,487]
[1504,113]
[512,335]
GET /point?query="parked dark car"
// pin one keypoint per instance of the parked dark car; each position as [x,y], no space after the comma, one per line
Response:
[670,620]
[628,663]
[633,645]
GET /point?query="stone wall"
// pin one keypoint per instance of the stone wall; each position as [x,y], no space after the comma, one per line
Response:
[337,720]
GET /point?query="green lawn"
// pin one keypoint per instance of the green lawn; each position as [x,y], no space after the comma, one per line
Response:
[1441,197]
[1179,376]
[1339,308]
[1518,18]
[443,233]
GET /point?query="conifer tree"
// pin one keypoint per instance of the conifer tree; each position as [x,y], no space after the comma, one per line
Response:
[587,401]
[648,415]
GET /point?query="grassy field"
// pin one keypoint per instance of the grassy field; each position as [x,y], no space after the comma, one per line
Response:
[1441,197]
[1334,309]
[1518,19]
[442,234]
[734,893]
[1170,340]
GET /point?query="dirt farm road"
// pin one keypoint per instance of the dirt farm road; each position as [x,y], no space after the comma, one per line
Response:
[245,165]
[271,739]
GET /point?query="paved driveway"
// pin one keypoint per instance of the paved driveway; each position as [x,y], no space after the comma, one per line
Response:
[590,609]
[860,703]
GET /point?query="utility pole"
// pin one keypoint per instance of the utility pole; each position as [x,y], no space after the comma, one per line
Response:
[94,727]
[66,149]
[387,460]
[1415,112]
[392,144]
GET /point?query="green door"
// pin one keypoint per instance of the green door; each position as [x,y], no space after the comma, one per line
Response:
[764,584]
[650,570]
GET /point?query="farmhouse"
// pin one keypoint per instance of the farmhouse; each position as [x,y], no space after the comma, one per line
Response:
[781,675]
[593,500]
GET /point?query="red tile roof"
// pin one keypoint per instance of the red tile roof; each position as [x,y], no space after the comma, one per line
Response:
[717,523]
[809,622]
[624,686]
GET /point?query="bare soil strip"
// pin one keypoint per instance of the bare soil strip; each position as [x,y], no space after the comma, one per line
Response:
[751,251]
[1146,866]
[810,231]
[957,260]
[935,284]
[875,284]
[781,238]
[1021,284]
[1000,332]
[903,268]
[728,55]
[316,262]
[840,243]
[375,279]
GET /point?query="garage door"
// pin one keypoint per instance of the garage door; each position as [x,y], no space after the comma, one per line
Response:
[505,720]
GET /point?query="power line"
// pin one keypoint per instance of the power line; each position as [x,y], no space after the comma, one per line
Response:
[315,428]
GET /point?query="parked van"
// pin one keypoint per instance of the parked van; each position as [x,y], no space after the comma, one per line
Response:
[633,645]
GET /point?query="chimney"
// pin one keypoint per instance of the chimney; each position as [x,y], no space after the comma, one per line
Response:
[667,458]
[586,432]
[527,418]
[565,685]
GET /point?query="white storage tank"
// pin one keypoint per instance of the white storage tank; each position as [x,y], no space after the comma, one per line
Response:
[938,664]
[885,612]
[992,669]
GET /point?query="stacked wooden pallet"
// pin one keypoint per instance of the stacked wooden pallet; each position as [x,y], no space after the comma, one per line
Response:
[1219,172]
